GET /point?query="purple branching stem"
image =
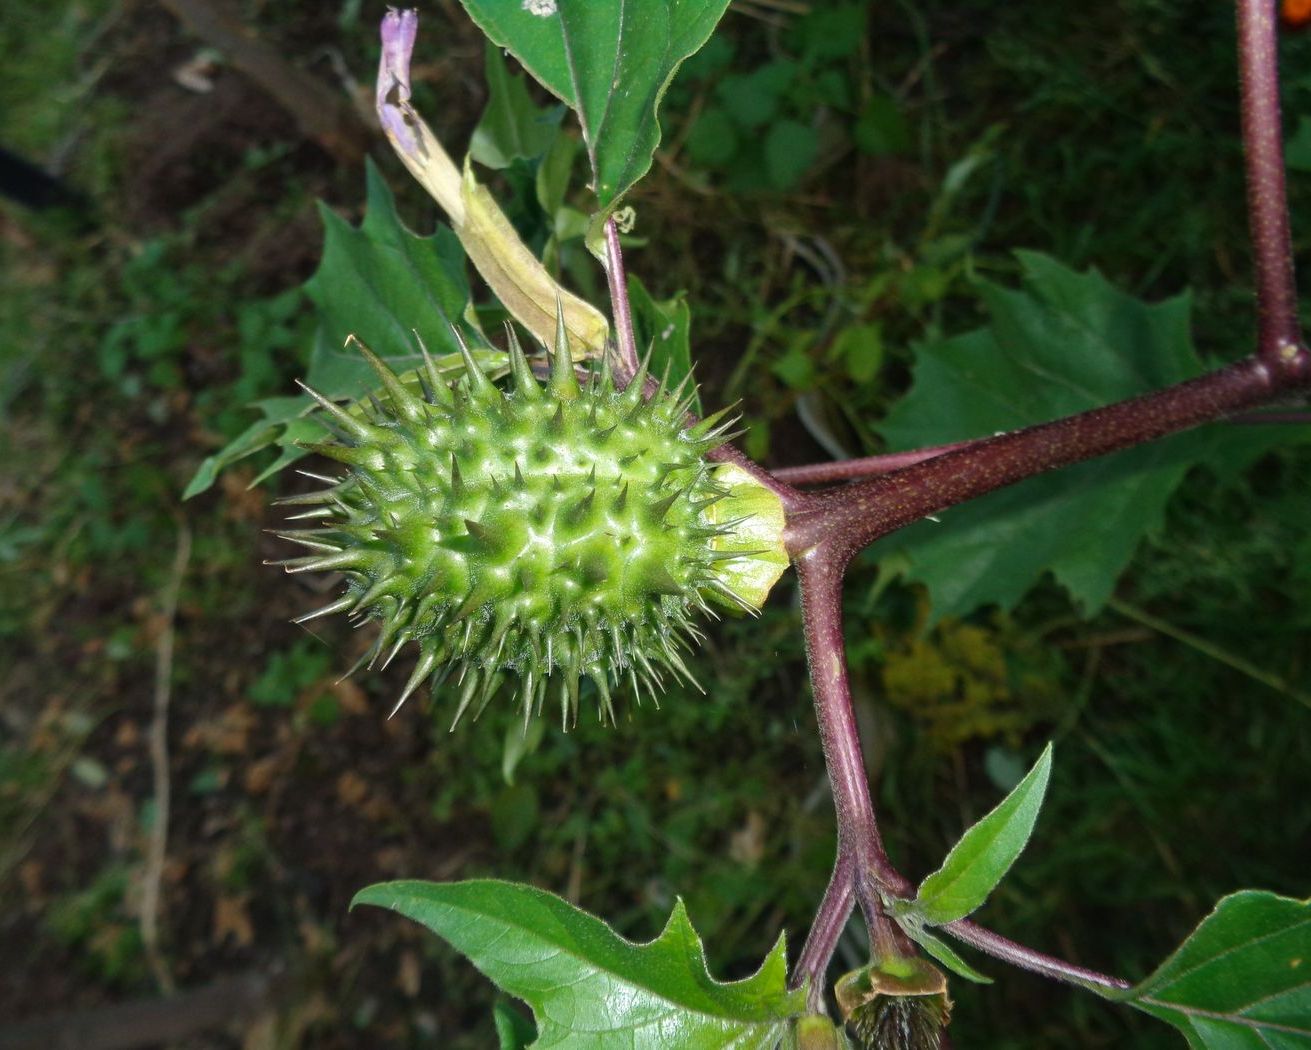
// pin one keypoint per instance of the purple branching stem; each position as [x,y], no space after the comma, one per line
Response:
[1028,959]
[625,342]
[1263,150]
[862,872]
[822,941]
[864,467]
[826,528]
[845,520]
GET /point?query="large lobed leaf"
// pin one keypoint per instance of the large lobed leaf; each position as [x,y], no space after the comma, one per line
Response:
[587,986]
[1064,343]
[382,284]
[1242,979]
[610,61]
[379,282]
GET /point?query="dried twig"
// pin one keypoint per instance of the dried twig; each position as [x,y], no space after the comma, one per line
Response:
[158,844]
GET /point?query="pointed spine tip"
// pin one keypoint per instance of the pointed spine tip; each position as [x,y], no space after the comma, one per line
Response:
[525,383]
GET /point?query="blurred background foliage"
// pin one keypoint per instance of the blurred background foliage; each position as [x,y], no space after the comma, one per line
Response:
[835,180]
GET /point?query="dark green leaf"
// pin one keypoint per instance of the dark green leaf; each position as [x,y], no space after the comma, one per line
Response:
[513,1030]
[1297,151]
[663,327]
[881,129]
[512,127]
[1241,980]
[752,99]
[712,142]
[979,861]
[790,149]
[380,283]
[609,60]
[1066,343]
[587,986]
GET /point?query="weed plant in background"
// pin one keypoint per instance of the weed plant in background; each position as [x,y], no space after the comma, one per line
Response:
[549,543]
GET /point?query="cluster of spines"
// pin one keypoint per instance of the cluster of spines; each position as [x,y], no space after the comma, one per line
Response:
[379,526]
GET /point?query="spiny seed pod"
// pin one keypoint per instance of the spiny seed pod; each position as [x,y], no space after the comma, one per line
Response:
[534,536]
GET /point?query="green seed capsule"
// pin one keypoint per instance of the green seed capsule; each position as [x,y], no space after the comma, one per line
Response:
[535,536]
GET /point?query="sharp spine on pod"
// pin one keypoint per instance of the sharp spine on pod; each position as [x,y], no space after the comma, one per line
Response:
[533,536]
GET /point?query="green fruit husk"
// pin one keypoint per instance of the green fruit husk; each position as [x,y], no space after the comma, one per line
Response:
[534,537]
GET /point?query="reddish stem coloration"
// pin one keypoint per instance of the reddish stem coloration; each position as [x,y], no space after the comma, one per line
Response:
[864,467]
[617,278]
[845,520]
[1267,202]
[826,528]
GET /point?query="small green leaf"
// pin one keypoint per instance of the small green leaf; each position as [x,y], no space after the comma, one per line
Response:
[664,328]
[512,127]
[881,130]
[790,149]
[860,348]
[1241,980]
[281,425]
[944,953]
[979,861]
[752,99]
[712,142]
[587,986]
[513,1030]
[610,61]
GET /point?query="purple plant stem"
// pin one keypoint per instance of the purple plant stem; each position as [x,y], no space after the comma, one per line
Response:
[862,871]
[822,941]
[1263,142]
[864,467]
[625,342]
[831,526]
[1026,958]
[842,521]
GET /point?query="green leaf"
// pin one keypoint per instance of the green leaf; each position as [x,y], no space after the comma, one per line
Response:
[880,129]
[944,953]
[1241,980]
[790,149]
[712,142]
[513,1030]
[752,99]
[1297,150]
[979,861]
[664,328]
[860,347]
[610,61]
[587,986]
[1065,343]
[380,283]
[281,425]
[512,127]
